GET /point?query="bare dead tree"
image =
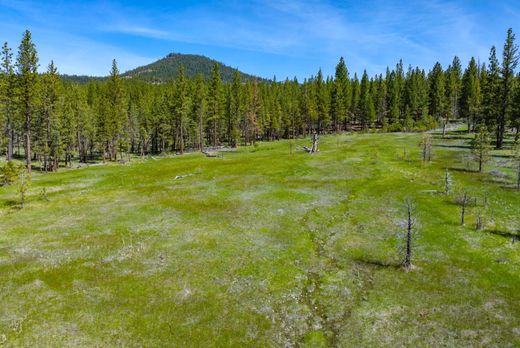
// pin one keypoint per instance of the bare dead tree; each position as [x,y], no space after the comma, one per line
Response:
[480,221]
[447,182]
[314,146]
[426,146]
[463,200]
[410,225]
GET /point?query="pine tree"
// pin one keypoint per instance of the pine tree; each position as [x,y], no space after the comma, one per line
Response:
[251,125]
[380,101]
[509,64]
[480,146]
[182,108]
[116,112]
[199,109]
[235,110]
[27,69]
[355,106]
[515,112]
[322,103]
[453,89]
[340,98]
[48,130]
[215,104]
[471,95]
[7,97]
[394,97]
[308,106]
[491,91]
[438,102]
[368,112]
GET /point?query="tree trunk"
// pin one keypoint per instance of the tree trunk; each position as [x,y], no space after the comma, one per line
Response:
[518,177]
[181,140]
[28,139]
[463,208]
[201,133]
[9,152]
[408,256]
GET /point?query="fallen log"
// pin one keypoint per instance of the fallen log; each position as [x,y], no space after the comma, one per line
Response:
[209,154]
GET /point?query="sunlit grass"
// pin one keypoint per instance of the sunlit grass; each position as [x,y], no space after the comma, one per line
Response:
[264,248]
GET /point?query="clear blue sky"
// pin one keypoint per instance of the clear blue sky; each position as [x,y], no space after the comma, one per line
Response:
[266,38]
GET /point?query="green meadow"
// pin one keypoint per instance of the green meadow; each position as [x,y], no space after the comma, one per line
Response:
[266,246]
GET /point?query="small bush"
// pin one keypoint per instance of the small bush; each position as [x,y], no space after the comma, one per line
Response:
[10,172]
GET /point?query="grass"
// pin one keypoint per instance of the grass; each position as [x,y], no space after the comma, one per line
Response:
[264,248]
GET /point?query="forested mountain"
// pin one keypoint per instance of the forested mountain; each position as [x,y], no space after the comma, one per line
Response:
[167,69]
[53,120]
[82,79]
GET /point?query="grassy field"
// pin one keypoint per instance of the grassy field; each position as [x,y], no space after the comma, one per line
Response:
[264,248]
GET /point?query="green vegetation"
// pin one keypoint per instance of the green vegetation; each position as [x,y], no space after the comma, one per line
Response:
[266,246]
[167,69]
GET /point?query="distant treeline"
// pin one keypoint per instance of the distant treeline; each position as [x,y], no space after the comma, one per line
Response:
[50,120]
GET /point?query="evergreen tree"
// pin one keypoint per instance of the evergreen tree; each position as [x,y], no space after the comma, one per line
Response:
[116,113]
[480,146]
[215,107]
[7,98]
[471,95]
[251,125]
[453,89]
[509,64]
[368,112]
[308,106]
[27,66]
[438,103]
[199,109]
[322,103]
[355,99]
[380,100]
[491,91]
[340,98]
[48,132]
[235,110]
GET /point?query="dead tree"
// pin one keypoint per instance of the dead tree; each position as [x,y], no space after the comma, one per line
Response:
[314,147]
[463,200]
[426,145]
[480,221]
[447,182]
[410,224]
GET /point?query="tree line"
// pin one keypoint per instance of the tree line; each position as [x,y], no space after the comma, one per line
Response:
[49,121]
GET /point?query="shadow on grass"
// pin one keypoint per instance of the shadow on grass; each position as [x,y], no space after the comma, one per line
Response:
[11,203]
[514,236]
[452,137]
[452,146]
[463,170]
[378,263]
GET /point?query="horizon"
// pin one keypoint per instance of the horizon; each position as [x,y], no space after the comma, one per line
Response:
[263,38]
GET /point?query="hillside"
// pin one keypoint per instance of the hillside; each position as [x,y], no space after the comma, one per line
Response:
[167,68]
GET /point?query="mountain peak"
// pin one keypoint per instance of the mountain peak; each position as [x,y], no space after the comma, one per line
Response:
[167,68]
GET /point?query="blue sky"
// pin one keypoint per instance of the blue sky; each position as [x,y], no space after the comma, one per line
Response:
[285,38]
